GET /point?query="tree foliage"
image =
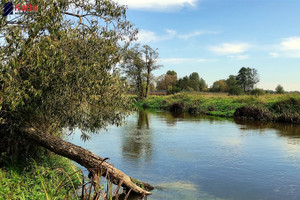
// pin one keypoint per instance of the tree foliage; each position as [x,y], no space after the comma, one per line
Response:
[138,64]
[167,82]
[247,78]
[193,82]
[220,86]
[57,66]
[279,89]
[150,56]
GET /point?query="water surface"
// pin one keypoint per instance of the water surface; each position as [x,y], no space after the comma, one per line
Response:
[204,157]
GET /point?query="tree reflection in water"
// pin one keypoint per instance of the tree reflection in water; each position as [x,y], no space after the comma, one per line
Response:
[137,139]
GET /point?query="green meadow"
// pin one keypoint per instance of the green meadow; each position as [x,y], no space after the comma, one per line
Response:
[270,107]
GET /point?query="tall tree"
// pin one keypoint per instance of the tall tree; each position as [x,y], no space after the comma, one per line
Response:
[150,56]
[134,66]
[197,83]
[138,64]
[184,84]
[57,73]
[247,78]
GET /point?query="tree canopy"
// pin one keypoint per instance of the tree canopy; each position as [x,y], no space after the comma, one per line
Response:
[138,63]
[57,65]
[247,78]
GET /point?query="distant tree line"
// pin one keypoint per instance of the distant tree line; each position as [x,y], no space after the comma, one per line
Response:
[140,61]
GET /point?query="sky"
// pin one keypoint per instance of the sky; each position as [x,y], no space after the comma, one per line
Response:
[217,37]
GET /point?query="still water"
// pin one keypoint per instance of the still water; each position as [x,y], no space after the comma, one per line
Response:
[204,157]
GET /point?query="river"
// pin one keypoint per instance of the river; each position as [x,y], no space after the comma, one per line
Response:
[205,158]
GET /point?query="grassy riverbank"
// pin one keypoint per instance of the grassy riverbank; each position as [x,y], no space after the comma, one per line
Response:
[271,107]
[38,180]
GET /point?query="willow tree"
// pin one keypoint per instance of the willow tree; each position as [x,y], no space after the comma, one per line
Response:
[57,72]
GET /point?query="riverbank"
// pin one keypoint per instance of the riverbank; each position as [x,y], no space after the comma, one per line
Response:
[270,107]
[42,179]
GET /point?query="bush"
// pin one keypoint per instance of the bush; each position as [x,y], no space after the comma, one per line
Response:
[235,90]
[257,92]
[291,105]
[176,107]
[256,113]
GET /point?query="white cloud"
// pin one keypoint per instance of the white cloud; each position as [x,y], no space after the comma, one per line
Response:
[293,54]
[230,48]
[290,47]
[171,32]
[189,35]
[157,4]
[146,36]
[176,61]
[194,34]
[274,54]
[291,43]
[239,57]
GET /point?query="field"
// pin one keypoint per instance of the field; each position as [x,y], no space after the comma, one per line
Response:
[269,107]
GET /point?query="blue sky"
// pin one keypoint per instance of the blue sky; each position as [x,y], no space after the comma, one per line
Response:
[217,37]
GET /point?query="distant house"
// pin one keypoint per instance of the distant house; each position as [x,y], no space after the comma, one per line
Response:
[158,92]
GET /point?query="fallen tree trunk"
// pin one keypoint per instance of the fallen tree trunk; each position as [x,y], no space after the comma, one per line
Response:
[92,162]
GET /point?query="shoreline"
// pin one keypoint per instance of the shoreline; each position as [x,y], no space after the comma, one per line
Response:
[271,107]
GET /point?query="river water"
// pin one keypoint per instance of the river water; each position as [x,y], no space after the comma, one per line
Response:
[204,157]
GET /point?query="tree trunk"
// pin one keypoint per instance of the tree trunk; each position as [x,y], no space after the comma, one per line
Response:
[92,162]
[147,84]
[140,85]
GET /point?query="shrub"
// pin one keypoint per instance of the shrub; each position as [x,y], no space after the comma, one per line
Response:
[176,107]
[257,92]
[235,90]
[256,113]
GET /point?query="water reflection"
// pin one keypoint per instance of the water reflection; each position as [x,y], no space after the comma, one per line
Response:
[137,138]
[171,119]
[283,129]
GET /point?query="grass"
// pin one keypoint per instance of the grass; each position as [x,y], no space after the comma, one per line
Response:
[282,107]
[39,180]
[54,177]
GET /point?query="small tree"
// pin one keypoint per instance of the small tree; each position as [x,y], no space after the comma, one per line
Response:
[279,89]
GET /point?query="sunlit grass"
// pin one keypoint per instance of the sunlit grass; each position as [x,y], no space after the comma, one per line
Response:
[221,104]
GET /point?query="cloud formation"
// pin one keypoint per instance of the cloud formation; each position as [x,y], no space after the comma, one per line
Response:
[230,48]
[176,61]
[290,47]
[146,36]
[195,34]
[157,4]
[239,57]
[274,54]
[291,43]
